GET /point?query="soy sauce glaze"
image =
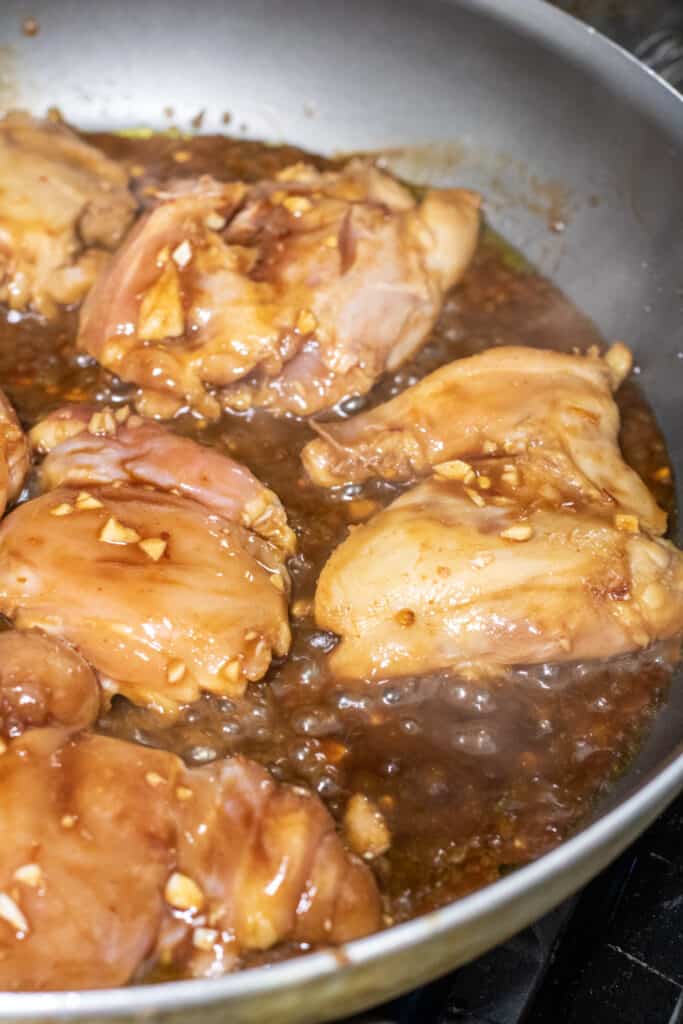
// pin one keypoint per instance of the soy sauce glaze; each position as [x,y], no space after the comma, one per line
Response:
[473,778]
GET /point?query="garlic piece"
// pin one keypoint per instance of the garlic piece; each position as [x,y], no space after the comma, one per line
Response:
[183,893]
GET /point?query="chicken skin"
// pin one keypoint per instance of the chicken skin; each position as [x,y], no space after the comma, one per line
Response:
[121,858]
[451,576]
[166,595]
[163,599]
[85,446]
[63,206]
[552,414]
[14,454]
[288,294]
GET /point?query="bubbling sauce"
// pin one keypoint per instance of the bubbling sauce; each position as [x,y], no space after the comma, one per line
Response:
[473,778]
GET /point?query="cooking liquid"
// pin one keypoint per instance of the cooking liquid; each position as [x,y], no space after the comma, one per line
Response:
[473,778]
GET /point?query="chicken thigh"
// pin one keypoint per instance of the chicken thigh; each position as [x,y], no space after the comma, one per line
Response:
[121,858]
[14,454]
[552,414]
[288,294]
[85,446]
[167,573]
[449,576]
[162,598]
[63,205]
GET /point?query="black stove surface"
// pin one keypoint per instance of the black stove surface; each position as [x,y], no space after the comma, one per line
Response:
[614,953]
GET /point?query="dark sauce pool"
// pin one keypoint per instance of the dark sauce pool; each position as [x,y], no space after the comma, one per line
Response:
[473,779]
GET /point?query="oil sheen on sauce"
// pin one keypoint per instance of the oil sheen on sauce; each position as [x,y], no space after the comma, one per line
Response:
[473,778]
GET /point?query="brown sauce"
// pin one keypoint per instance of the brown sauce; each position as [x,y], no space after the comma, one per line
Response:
[473,778]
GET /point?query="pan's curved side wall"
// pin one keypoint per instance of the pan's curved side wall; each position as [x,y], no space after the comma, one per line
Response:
[580,155]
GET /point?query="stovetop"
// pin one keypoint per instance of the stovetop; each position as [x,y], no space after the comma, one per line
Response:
[614,953]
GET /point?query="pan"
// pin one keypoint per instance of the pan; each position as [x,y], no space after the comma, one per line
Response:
[578,150]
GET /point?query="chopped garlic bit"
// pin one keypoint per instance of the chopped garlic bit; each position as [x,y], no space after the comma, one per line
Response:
[306,322]
[65,509]
[619,361]
[181,156]
[30,874]
[102,423]
[11,913]
[204,939]
[85,502]
[153,547]
[176,670]
[154,779]
[297,204]
[627,523]
[331,242]
[510,477]
[114,532]
[182,254]
[454,469]
[183,893]
[521,531]
[475,497]
[232,671]
[214,221]
[365,828]
[183,793]
[68,820]
[484,482]
[122,414]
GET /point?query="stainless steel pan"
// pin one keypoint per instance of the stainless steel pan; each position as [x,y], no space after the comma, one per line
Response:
[552,123]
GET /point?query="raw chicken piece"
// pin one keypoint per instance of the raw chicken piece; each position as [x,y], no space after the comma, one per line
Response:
[552,413]
[43,682]
[162,597]
[88,446]
[121,858]
[63,204]
[446,577]
[288,294]
[14,454]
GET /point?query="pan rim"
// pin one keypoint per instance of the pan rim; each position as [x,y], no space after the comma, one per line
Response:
[546,23]
[172,995]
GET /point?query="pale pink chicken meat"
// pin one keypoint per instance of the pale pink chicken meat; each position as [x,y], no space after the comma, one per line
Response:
[553,415]
[64,206]
[86,446]
[451,576]
[164,599]
[288,294]
[160,560]
[14,454]
[121,858]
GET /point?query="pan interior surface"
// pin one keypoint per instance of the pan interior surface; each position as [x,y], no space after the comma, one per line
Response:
[578,151]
